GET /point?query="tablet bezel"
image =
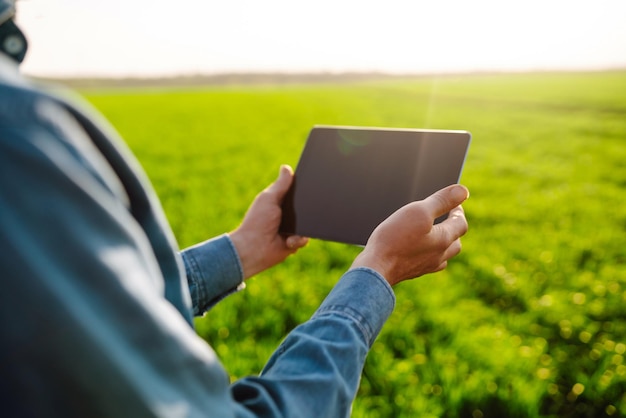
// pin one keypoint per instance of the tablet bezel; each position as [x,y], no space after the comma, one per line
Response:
[346,153]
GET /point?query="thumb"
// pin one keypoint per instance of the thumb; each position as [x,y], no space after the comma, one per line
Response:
[282,183]
[446,199]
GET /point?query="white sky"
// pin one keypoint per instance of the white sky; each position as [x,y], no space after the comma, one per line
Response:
[157,37]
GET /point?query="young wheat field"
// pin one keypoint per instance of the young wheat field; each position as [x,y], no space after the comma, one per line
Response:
[529,321]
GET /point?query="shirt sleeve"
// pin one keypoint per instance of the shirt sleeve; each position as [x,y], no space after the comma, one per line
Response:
[213,272]
[316,371]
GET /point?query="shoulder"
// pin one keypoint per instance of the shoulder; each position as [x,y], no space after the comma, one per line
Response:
[18,104]
[26,106]
[31,118]
[38,133]
[28,113]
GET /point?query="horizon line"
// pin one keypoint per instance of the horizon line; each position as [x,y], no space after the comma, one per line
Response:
[283,77]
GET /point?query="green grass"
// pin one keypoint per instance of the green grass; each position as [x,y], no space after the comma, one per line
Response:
[529,321]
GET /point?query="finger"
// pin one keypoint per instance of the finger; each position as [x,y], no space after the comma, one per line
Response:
[294,242]
[453,228]
[453,250]
[441,266]
[446,199]
[456,224]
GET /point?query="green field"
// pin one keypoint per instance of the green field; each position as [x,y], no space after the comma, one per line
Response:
[529,321]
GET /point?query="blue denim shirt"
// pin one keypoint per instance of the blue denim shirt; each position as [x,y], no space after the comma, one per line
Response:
[97,302]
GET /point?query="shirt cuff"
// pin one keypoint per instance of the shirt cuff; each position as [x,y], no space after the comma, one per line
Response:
[363,295]
[214,271]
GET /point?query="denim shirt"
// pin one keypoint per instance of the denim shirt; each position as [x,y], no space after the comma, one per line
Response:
[97,301]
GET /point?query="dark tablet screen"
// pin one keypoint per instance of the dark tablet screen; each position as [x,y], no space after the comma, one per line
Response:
[349,179]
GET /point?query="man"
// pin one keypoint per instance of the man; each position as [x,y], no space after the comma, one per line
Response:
[97,302]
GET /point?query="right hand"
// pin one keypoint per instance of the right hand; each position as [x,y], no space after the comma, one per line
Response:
[407,244]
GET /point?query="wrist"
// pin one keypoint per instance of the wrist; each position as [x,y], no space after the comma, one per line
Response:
[245,251]
[363,260]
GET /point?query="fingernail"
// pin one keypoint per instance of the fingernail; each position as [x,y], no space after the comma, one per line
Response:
[461,193]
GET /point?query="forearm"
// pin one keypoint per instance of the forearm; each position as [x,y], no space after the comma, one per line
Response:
[316,371]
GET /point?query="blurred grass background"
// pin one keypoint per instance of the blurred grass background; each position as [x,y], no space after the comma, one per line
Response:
[529,321]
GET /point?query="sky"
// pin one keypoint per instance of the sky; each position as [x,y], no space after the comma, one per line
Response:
[152,38]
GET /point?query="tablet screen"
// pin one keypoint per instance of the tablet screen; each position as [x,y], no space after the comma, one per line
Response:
[350,179]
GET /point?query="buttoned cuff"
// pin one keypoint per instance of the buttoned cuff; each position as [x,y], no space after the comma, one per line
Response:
[214,271]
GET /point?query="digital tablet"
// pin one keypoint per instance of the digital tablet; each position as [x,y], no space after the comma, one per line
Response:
[349,179]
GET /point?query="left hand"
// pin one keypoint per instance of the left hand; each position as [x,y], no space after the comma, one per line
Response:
[257,240]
